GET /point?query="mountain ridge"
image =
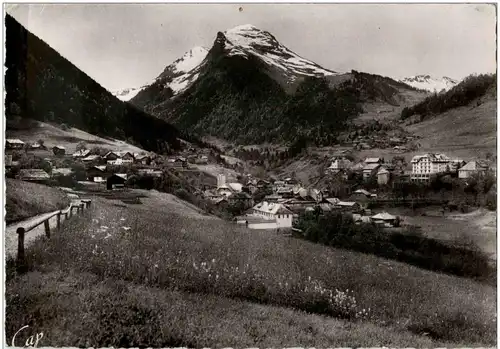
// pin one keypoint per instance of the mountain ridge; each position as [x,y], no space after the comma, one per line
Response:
[286,96]
[59,92]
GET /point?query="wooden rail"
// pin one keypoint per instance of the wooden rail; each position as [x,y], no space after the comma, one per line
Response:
[68,213]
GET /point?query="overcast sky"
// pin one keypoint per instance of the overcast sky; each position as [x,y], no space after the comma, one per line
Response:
[126,45]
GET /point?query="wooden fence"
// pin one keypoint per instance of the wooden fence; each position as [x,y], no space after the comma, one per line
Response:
[68,213]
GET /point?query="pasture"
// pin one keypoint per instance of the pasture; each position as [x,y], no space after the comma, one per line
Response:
[204,270]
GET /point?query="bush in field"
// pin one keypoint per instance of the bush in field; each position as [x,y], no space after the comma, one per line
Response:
[79,173]
[27,161]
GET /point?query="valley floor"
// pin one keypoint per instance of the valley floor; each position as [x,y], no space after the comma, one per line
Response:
[152,274]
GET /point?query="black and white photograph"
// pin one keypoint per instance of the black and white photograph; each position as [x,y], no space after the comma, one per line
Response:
[250,175]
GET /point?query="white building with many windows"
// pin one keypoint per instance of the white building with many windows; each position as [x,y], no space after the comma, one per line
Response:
[423,166]
[274,211]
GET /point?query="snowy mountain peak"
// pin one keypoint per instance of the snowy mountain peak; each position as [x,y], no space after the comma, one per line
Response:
[429,83]
[189,60]
[247,40]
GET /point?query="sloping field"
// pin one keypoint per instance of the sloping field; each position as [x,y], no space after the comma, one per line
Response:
[24,199]
[53,135]
[194,277]
[467,132]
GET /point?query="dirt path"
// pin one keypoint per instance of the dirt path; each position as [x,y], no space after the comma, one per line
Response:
[11,238]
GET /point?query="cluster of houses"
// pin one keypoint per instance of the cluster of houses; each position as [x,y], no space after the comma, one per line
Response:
[276,212]
[422,168]
[289,198]
[229,193]
[369,168]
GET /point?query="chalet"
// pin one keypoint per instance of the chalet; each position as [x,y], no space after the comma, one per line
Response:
[273,198]
[80,154]
[317,195]
[142,159]
[347,206]
[119,162]
[97,173]
[301,193]
[285,192]
[59,150]
[374,161]
[116,180]
[361,195]
[358,167]
[385,219]
[211,195]
[400,148]
[370,169]
[11,143]
[261,183]
[92,159]
[111,156]
[125,156]
[324,208]
[235,187]
[339,164]
[274,212]
[202,159]
[383,176]
[33,175]
[62,171]
[150,172]
[37,146]
[471,168]
[176,162]
[358,218]
[290,181]
[243,198]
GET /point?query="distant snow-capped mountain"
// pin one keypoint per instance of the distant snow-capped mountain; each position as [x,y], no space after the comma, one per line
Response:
[176,76]
[429,83]
[127,93]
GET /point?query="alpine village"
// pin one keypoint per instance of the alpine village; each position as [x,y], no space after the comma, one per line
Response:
[247,197]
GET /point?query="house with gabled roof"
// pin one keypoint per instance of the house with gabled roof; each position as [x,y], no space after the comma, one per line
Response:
[80,154]
[33,175]
[471,168]
[383,176]
[274,212]
[59,150]
[374,161]
[370,169]
[14,143]
[97,173]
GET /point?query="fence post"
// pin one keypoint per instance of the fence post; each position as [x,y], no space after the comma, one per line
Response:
[20,245]
[59,220]
[71,211]
[47,228]
[66,214]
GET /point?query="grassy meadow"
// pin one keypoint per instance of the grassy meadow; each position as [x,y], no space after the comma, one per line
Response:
[25,200]
[166,279]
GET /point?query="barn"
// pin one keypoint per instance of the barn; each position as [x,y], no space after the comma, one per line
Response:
[116,180]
